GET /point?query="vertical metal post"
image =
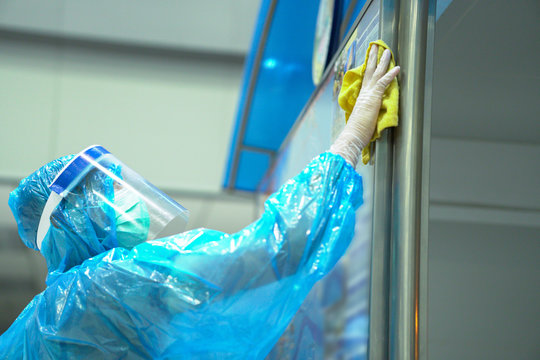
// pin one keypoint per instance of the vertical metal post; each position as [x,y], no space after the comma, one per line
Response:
[382,207]
[407,186]
[426,154]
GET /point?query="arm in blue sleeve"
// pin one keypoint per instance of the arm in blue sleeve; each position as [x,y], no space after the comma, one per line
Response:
[306,227]
[252,282]
[203,293]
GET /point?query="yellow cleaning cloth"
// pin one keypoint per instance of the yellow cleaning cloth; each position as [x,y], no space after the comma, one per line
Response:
[350,88]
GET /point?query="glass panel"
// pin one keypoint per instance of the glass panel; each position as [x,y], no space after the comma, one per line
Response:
[333,321]
[484,243]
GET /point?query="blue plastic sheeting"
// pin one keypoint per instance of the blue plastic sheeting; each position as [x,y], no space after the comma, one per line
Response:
[283,84]
[202,294]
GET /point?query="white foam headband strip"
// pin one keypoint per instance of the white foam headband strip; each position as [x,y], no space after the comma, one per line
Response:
[45,220]
[51,204]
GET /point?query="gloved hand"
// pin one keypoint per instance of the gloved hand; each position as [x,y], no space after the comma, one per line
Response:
[361,125]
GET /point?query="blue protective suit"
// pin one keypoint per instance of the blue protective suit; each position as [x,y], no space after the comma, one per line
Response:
[202,294]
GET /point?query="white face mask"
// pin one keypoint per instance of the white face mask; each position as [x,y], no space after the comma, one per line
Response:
[132,219]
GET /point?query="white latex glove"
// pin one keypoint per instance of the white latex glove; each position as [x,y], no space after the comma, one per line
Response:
[361,125]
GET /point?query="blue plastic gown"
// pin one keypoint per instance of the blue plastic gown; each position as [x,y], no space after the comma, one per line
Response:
[202,294]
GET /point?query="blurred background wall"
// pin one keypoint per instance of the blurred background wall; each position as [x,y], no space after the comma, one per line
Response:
[484,248]
[155,82]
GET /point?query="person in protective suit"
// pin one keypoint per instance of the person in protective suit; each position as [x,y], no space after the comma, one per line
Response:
[117,288]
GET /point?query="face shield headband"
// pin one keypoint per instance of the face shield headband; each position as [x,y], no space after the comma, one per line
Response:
[143,212]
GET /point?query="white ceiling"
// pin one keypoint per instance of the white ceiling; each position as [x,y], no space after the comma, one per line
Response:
[164,75]
[203,25]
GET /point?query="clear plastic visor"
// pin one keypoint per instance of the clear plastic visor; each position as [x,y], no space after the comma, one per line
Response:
[138,211]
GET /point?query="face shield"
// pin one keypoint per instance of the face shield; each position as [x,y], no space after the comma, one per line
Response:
[117,201]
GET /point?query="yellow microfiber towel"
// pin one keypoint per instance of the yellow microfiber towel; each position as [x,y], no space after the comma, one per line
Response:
[350,88]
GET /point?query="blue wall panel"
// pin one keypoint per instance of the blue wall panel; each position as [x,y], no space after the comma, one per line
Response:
[281,83]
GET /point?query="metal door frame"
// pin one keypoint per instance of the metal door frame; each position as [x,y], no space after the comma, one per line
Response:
[398,299]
